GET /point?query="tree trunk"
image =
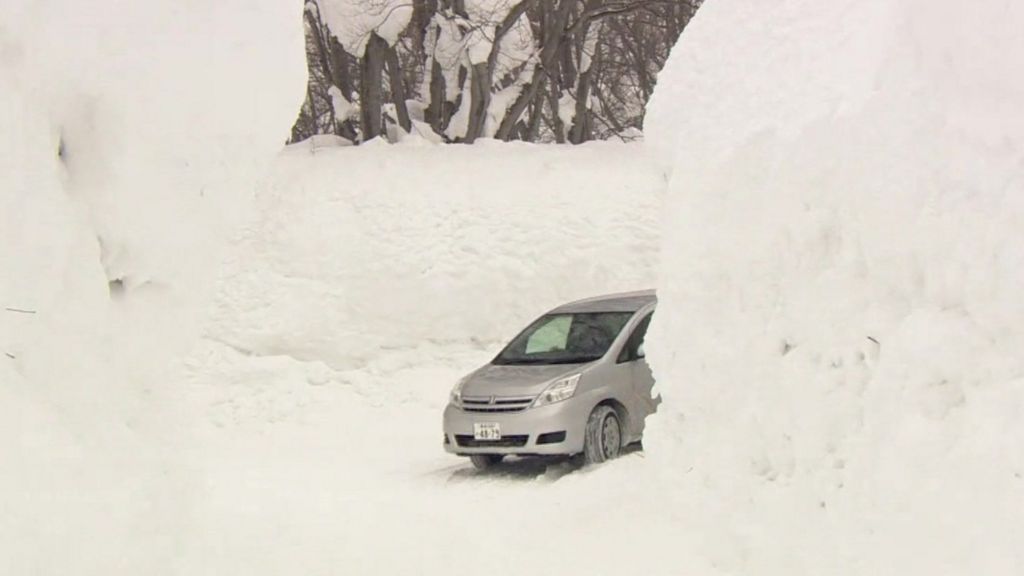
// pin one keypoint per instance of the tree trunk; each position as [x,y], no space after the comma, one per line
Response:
[582,74]
[422,13]
[483,73]
[553,37]
[436,111]
[325,66]
[321,46]
[340,76]
[607,118]
[371,86]
[397,89]
[312,108]
[479,100]
[532,132]
[580,131]
[554,98]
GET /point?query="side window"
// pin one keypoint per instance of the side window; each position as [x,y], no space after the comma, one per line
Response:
[552,336]
[634,348]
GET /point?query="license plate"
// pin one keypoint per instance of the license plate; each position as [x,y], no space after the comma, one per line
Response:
[486,431]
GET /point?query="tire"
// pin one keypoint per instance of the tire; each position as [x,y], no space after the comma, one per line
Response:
[603,439]
[485,461]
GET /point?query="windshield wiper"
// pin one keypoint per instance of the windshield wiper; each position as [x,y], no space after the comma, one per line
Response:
[545,361]
[577,360]
[522,361]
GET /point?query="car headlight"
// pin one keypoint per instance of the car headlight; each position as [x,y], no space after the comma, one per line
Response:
[455,397]
[559,390]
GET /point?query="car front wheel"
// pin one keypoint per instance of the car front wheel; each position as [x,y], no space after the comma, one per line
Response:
[603,436]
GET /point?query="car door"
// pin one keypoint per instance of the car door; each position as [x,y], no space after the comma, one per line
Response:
[641,380]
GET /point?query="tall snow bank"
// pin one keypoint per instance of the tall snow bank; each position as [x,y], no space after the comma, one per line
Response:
[355,250]
[841,331]
[129,132]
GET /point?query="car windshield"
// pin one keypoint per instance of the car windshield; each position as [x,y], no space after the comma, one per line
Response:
[565,339]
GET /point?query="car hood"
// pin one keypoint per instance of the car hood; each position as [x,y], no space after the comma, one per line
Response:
[515,380]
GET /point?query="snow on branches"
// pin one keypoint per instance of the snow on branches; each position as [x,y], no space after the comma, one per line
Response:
[353,22]
[459,70]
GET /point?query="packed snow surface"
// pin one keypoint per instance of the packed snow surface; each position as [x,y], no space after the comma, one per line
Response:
[841,329]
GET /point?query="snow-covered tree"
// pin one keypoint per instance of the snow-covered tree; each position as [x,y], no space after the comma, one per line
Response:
[459,70]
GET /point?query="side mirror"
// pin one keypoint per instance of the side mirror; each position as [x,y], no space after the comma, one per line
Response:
[640,351]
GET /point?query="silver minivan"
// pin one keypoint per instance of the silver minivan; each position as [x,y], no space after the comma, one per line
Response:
[574,382]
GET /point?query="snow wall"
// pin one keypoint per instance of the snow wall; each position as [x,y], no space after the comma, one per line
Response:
[354,251]
[128,131]
[141,128]
[840,337]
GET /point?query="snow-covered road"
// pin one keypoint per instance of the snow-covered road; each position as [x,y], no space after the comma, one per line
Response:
[301,469]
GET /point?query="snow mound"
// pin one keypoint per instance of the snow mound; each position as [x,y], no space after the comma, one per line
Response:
[357,250]
[841,329]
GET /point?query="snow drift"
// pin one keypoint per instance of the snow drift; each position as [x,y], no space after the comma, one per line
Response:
[841,328]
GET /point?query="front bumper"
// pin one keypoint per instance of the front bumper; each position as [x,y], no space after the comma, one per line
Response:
[569,416]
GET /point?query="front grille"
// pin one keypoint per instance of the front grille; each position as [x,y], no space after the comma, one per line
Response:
[496,404]
[467,441]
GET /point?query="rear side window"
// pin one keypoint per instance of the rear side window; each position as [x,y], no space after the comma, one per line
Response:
[634,348]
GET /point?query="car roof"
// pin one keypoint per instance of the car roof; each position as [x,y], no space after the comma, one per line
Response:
[620,302]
